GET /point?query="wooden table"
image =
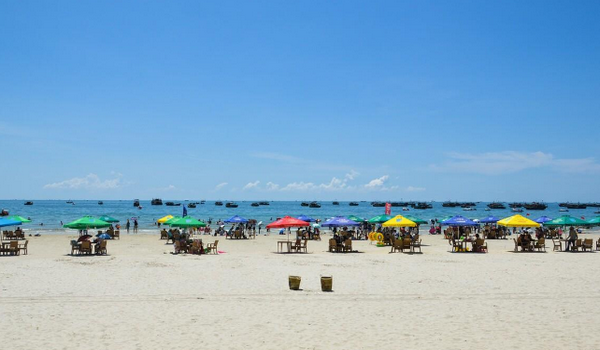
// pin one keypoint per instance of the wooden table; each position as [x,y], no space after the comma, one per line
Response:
[280,245]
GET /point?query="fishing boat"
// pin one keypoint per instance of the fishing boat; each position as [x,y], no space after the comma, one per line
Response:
[405,209]
[496,205]
[231,205]
[469,209]
[255,204]
[450,204]
[156,201]
[4,212]
[304,204]
[70,202]
[314,205]
[136,203]
[264,203]
[535,206]
[29,203]
[563,210]
[378,204]
[191,205]
[517,210]
[335,203]
[422,205]
[353,204]
[218,203]
[100,202]
[172,204]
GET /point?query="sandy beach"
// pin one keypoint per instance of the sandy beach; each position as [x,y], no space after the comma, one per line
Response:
[141,296]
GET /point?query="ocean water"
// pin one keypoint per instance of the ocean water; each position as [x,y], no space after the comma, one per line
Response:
[50,213]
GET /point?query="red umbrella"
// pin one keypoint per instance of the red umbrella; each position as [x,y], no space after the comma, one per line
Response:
[287,221]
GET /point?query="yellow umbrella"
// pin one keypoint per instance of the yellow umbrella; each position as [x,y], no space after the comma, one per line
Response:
[399,221]
[165,218]
[517,221]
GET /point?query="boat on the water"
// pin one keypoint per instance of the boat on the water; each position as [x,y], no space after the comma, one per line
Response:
[353,204]
[218,203]
[422,205]
[496,205]
[191,205]
[100,202]
[450,204]
[172,204]
[517,210]
[314,205]
[29,203]
[264,203]
[304,204]
[378,204]
[469,209]
[535,206]
[4,212]
[335,203]
[231,205]
[563,210]
[515,205]
[136,203]
[255,204]
[156,201]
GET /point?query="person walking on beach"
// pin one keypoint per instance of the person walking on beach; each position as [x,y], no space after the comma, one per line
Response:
[127,225]
[135,225]
[571,238]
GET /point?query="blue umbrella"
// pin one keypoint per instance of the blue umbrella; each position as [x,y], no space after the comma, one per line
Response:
[9,222]
[459,220]
[542,219]
[104,236]
[305,218]
[236,220]
[489,220]
[339,221]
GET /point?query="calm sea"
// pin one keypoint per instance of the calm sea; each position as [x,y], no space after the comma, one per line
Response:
[50,213]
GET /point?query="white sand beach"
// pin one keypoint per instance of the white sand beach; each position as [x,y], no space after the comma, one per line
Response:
[141,296]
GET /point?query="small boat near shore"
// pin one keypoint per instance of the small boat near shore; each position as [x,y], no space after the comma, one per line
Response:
[191,205]
[353,204]
[156,201]
[4,212]
[314,205]
[218,203]
[29,203]
[231,205]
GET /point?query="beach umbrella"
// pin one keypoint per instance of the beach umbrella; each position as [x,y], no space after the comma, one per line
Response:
[164,219]
[186,222]
[415,219]
[594,221]
[87,222]
[542,219]
[566,220]
[305,218]
[399,221]
[9,222]
[379,219]
[104,236]
[356,218]
[339,221]
[459,220]
[517,221]
[489,220]
[286,222]
[19,218]
[108,218]
[236,219]
[168,222]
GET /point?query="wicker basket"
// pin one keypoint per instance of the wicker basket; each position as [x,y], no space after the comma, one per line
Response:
[294,282]
[327,283]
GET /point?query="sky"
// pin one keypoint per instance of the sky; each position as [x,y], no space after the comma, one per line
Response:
[300,100]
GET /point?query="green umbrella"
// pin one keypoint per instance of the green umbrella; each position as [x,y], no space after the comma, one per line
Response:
[415,219]
[566,220]
[356,218]
[87,222]
[108,218]
[186,222]
[594,221]
[19,218]
[174,218]
[379,219]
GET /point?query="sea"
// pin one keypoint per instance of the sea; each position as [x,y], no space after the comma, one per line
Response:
[49,215]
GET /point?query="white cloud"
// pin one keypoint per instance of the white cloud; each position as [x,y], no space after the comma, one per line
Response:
[91,181]
[272,186]
[379,182]
[351,175]
[220,186]
[251,185]
[415,189]
[497,163]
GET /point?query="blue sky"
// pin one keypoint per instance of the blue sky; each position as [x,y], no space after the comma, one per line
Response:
[429,100]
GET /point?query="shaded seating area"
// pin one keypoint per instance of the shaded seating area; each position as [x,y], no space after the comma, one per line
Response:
[84,246]
[10,248]
[478,245]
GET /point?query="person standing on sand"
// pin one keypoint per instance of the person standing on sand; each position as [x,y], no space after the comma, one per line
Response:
[135,225]
[127,225]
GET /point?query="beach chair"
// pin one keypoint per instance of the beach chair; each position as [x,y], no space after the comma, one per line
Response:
[316,236]
[578,244]
[74,247]
[101,248]
[598,244]
[164,235]
[540,244]
[332,245]
[406,244]
[456,247]
[85,247]
[556,245]
[296,245]
[588,244]
[416,245]
[304,246]
[348,246]
[212,247]
[117,234]
[13,248]
[480,246]
[23,247]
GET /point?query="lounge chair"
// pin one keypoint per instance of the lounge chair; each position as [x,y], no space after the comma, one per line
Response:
[101,248]
[117,234]
[540,244]
[416,244]
[348,246]
[556,245]
[397,246]
[588,244]
[332,245]
[598,244]
[296,245]
[85,247]
[213,247]
[180,247]
[304,246]
[12,248]
[406,244]
[23,247]
[578,244]
[480,246]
